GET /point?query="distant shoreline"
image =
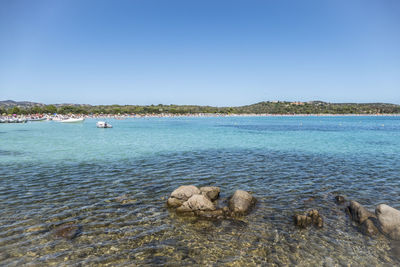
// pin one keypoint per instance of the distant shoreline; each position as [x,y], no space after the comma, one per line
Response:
[199,115]
[266,108]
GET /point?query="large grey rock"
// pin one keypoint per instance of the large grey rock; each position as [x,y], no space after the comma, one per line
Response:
[196,203]
[358,213]
[241,202]
[212,192]
[181,194]
[389,221]
[184,192]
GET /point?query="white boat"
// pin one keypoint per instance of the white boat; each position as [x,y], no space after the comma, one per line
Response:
[36,119]
[72,120]
[58,119]
[103,124]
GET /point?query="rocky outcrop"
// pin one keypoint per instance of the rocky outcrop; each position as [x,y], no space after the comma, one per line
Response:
[365,219]
[358,213]
[182,194]
[68,230]
[309,218]
[212,192]
[203,202]
[241,202]
[197,203]
[389,221]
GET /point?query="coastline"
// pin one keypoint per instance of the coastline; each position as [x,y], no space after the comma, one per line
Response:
[33,117]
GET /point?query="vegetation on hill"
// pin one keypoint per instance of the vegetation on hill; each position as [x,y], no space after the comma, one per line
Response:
[276,107]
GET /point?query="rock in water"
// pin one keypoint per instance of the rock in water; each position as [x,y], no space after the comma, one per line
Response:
[174,202]
[197,203]
[366,220]
[358,213]
[340,199]
[311,217]
[302,220]
[212,192]
[184,192]
[368,227]
[389,221]
[181,194]
[241,202]
[68,230]
[315,218]
[190,200]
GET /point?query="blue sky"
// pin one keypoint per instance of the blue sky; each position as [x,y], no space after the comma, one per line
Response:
[199,52]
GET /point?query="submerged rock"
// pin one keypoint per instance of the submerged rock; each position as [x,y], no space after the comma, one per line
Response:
[310,199]
[395,249]
[241,202]
[36,228]
[358,213]
[389,221]
[196,203]
[368,227]
[311,217]
[174,202]
[340,199]
[302,220]
[68,230]
[316,218]
[124,199]
[212,192]
[211,214]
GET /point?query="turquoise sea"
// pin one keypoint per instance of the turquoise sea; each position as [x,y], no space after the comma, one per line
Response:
[114,184]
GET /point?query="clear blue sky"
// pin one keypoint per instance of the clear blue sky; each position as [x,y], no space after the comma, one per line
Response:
[199,52]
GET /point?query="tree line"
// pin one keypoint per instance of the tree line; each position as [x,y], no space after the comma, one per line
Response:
[258,108]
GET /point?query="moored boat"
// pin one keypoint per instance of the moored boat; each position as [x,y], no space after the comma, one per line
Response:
[73,120]
[37,119]
[103,124]
[13,120]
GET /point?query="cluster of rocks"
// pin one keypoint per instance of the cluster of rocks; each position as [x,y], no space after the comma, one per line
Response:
[203,202]
[385,220]
[309,218]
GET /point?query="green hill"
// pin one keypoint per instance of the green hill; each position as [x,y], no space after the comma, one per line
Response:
[268,107]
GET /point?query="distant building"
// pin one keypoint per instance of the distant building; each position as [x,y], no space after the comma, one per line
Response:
[297,103]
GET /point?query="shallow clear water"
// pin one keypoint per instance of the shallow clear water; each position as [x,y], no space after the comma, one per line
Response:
[114,183]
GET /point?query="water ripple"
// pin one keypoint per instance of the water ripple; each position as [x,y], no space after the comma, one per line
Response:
[121,207]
